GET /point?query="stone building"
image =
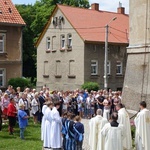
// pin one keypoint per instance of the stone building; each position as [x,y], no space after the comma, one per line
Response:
[11,25]
[137,77]
[70,50]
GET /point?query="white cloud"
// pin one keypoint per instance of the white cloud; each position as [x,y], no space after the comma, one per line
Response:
[111,5]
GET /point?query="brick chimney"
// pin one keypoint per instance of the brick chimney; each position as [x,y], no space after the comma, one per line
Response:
[95,6]
[120,9]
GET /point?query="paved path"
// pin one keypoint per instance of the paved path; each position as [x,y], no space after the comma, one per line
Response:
[86,135]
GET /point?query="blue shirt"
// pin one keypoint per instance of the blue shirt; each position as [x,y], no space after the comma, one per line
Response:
[23,122]
[80,127]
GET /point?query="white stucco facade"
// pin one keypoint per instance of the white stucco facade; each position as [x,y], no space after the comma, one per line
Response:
[60,69]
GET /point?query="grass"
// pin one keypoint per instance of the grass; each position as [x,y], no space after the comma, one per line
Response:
[13,142]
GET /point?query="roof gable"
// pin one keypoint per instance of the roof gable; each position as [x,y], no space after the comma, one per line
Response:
[9,14]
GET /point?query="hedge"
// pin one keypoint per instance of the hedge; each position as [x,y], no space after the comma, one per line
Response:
[19,82]
[90,86]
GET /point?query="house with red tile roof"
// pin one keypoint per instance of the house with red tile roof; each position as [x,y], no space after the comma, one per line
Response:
[70,50]
[11,25]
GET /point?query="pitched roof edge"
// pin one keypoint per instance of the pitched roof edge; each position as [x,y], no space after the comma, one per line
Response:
[103,42]
[13,24]
[45,27]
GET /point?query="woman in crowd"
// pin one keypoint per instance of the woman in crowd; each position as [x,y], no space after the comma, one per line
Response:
[23,120]
[90,105]
[116,100]
[35,107]
[11,113]
[65,101]
[107,107]
[5,103]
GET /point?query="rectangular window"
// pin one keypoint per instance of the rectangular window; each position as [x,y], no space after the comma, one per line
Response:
[46,65]
[94,67]
[69,43]
[62,42]
[71,67]
[108,67]
[119,68]
[2,43]
[48,43]
[58,67]
[2,77]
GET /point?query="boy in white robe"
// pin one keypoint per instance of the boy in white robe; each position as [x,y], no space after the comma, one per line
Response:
[113,133]
[142,124]
[123,118]
[56,126]
[43,120]
[95,138]
[47,126]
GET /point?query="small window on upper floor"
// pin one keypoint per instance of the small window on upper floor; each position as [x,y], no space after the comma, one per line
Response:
[108,67]
[48,43]
[69,41]
[94,67]
[2,77]
[2,42]
[62,42]
[119,68]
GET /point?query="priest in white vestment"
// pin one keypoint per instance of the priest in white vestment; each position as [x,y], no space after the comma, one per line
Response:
[124,119]
[142,124]
[47,126]
[56,126]
[96,141]
[113,133]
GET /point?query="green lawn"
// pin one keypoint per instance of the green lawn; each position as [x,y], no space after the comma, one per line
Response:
[13,142]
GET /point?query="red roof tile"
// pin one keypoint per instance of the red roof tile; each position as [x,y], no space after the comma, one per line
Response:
[9,14]
[90,24]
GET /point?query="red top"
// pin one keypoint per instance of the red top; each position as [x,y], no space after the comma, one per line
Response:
[11,110]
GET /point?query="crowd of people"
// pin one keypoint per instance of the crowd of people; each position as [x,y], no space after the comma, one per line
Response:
[60,116]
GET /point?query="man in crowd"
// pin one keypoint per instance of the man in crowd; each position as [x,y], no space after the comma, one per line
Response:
[142,124]
[123,118]
[113,133]
[96,141]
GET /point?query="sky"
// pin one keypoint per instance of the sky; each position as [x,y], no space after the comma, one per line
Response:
[108,5]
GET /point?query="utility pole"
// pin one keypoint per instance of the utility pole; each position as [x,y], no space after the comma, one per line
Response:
[106,58]
[106,54]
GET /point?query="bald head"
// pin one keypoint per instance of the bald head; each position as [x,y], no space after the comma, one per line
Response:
[99,112]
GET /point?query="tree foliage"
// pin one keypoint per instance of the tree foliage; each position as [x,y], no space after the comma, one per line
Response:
[36,16]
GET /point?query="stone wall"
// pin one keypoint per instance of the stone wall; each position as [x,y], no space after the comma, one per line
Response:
[137,77]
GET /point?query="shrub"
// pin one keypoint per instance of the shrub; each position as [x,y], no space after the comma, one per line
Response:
[90,86]
[19,82]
